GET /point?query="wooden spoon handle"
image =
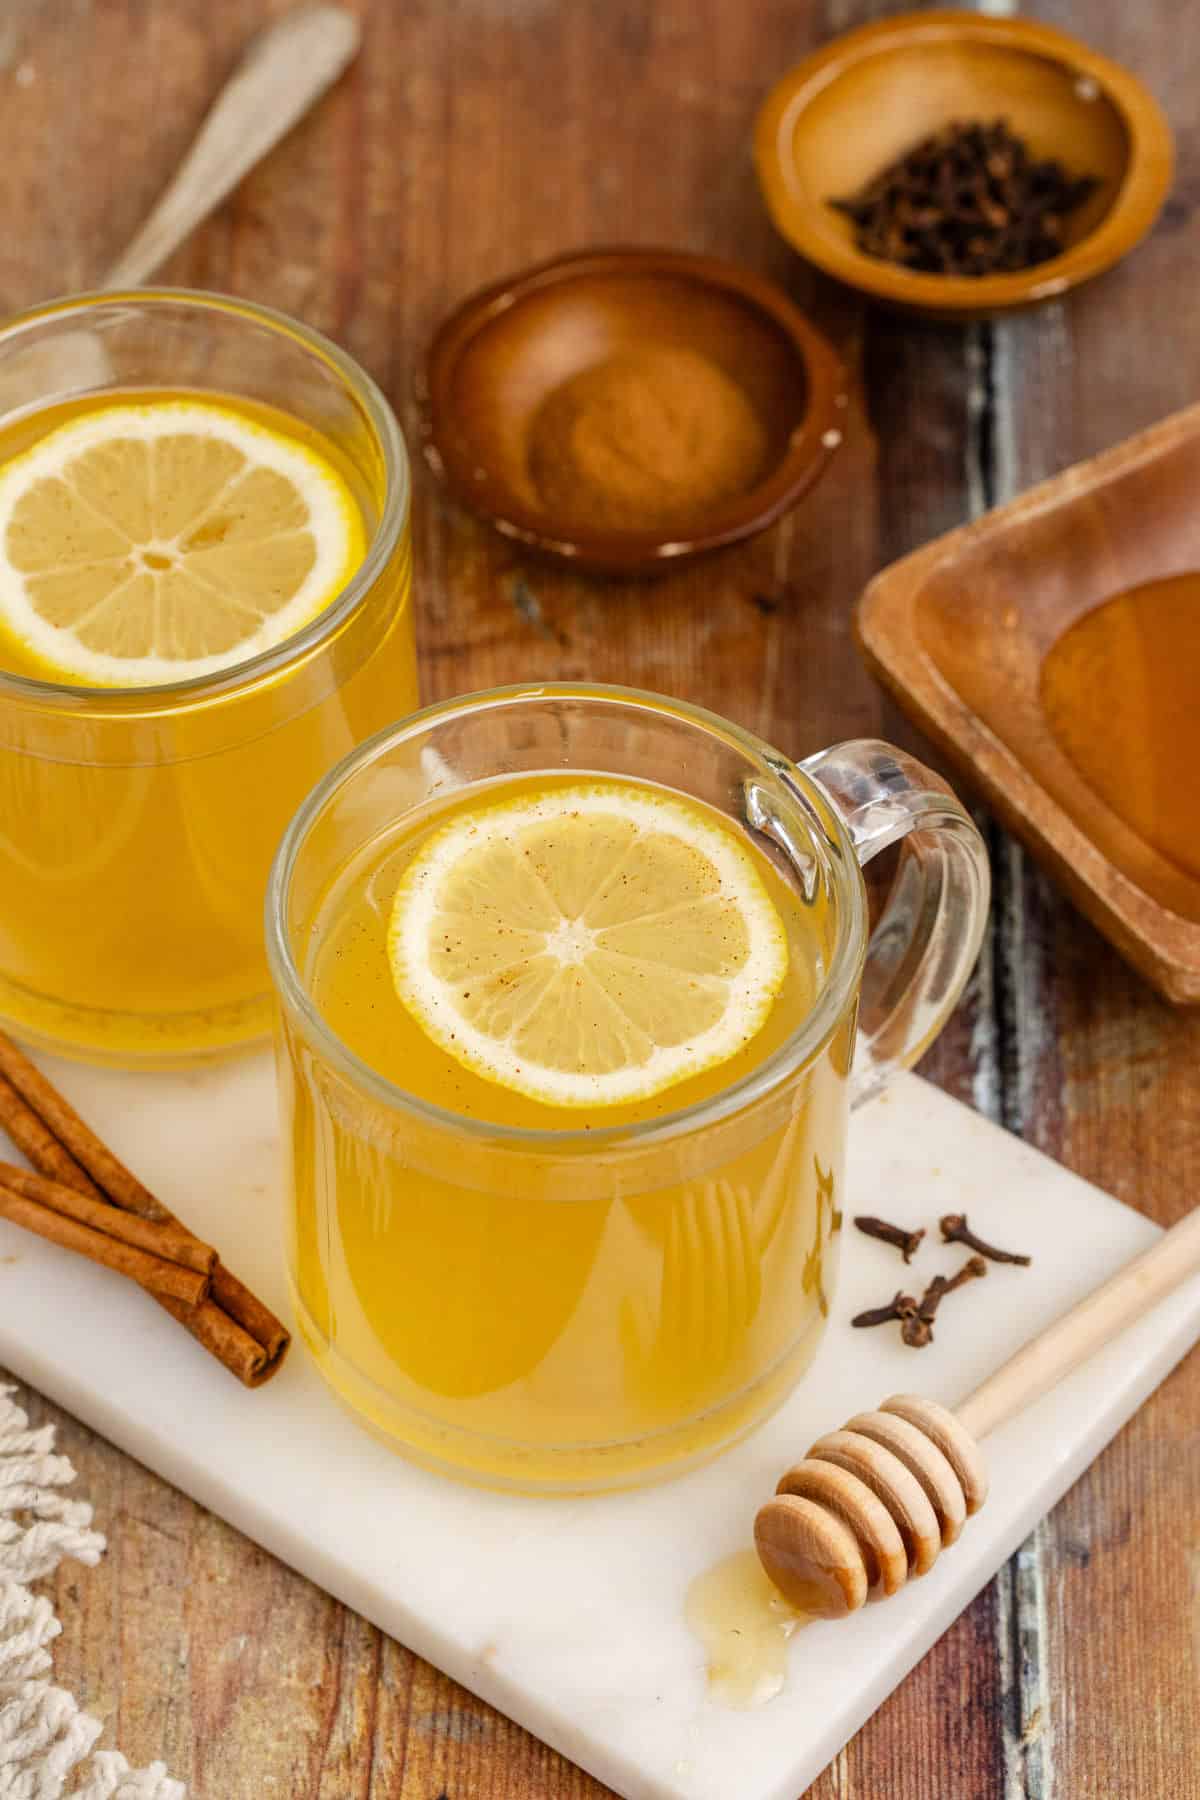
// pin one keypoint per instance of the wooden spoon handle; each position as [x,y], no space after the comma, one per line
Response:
[1044,1362]
[285,69]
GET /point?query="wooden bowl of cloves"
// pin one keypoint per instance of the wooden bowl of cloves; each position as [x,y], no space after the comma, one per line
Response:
[959,165]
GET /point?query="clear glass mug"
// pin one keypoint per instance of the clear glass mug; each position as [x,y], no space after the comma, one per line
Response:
[568,1310]
[137,825]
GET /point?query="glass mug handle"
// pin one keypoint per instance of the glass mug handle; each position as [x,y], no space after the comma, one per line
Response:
[927,937]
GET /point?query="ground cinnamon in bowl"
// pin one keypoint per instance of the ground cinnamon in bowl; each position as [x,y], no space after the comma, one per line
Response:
[646,440]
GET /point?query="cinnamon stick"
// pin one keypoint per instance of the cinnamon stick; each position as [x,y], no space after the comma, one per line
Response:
[248,1311]
[243,1355]
[230,1322]
[170,1243]
[32,1136]
[73,1135]
[165,1280]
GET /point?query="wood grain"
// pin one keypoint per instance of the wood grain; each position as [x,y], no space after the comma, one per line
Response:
[1105,1075]
[468,140]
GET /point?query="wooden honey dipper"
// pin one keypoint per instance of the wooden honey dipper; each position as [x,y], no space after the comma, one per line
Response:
[874,1503]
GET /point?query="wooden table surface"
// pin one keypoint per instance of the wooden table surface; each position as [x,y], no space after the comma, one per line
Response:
[474,136]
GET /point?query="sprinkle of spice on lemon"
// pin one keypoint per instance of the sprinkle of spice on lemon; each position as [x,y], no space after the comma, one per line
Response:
[589,945]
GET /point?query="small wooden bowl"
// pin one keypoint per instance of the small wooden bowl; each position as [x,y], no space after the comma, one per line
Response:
[846,112]
[959,631]
[494,361]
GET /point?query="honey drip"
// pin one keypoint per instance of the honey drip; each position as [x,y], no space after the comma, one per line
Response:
[1120,691]
[744,1623]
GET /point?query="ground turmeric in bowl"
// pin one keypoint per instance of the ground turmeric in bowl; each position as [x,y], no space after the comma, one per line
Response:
[646,440]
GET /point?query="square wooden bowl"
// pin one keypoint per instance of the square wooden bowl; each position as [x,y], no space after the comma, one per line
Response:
[959,630]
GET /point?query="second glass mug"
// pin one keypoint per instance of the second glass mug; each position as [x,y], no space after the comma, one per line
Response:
[565,1310]
[137,824]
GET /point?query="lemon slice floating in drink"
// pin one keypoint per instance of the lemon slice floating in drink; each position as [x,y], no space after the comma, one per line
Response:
[165,540]
[588,945]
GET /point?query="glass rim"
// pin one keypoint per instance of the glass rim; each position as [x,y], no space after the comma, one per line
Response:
[387,533]
[800,1048]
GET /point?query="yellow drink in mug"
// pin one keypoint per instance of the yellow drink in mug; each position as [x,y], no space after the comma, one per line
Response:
[205,600]
[569,980]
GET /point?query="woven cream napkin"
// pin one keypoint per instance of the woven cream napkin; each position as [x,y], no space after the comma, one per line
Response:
[45,1741]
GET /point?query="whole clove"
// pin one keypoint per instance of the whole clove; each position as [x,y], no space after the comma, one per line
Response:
[955,1230]
[907,1242]
[969,200]
[900,1306]
[917,1330]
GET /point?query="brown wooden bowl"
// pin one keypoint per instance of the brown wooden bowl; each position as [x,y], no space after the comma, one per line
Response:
[959,631]
[497,358]
[846,112]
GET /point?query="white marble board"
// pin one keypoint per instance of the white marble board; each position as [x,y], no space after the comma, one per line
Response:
[568,1614]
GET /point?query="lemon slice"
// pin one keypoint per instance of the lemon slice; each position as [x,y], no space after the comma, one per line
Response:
[160,541]
[586,945]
